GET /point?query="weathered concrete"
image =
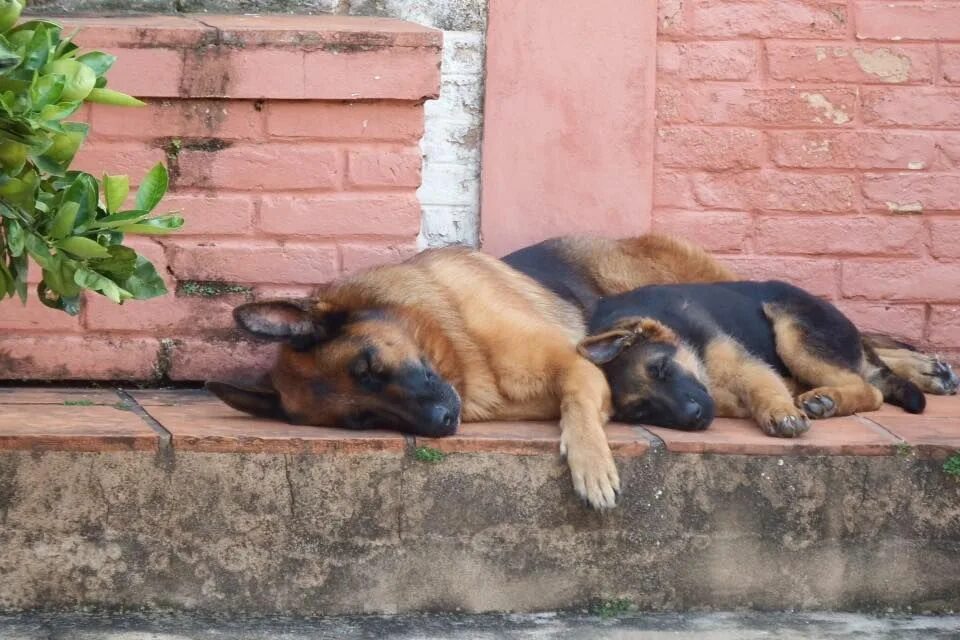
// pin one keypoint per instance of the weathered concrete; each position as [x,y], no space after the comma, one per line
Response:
[715,626]
[380,532]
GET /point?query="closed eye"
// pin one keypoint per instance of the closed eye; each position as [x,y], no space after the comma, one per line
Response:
[659,370]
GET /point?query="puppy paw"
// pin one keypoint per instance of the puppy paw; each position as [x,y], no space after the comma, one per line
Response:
[594,473]
[817,405]
[940,379]
[784,424]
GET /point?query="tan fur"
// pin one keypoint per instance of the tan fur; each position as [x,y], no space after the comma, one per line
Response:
[740,383]
[506,344]
[849,392]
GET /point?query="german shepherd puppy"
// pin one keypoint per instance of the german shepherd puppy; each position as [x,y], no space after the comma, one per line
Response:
[582,270]
[675,355]
[449,335]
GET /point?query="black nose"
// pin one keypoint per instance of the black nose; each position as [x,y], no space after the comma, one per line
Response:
[443,417]
[693,410]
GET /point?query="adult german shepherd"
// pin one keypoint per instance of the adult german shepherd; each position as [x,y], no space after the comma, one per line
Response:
[450,335]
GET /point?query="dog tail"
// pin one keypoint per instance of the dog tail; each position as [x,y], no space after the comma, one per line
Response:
[895,389]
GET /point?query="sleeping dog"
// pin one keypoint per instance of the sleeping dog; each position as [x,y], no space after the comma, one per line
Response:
[676,355]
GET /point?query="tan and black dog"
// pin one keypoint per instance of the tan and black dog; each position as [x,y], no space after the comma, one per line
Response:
[676,355]
[582,270]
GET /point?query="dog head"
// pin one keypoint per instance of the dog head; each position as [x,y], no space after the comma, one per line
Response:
[346,368]
[653,377]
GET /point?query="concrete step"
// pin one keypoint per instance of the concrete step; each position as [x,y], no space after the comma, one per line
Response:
[155,499]
[547,626]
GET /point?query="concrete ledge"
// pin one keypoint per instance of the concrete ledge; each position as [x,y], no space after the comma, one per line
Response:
[276,57]
[222,513]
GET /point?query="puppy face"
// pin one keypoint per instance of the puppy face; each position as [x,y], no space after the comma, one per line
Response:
[654,378]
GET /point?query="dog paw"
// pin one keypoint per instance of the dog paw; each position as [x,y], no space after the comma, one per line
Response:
[940,380]
[785,425]
[594,473]
[817,406]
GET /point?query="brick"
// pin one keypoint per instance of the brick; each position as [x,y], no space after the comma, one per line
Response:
[776,190]
[132,159]
[948,142]
[382,120]
[903,321]
[382,168]
[863,64]
[945,325]
[212,358]
[129,73]
[765,19]
[944,237]
[913,106]
[712,230]
[709,148]
[901,280]
[168,315]
[34,316]
[744,106]
[265,166]
[907,20]
[852,150]
[230,119]
[78,357]
[250,69]
[735,60]
[950,63]
[671,17]
[253,262]
[394,74]
[111,32]
[345,214]
[672,189]
[816,275]
[912,192]
[359,256]
[836,235]
[214,214]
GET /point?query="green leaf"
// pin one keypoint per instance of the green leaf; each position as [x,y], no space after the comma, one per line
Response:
[39,251]
[97,282]
[8,58]
[6,281]
[116,98]
[15,242]
[60,110]
[145,283]
[38,49]
[83,247]
[153,188]
[119,265]
[121,219]
[46,90]
[63,222]
[19,266]
[99,61]
[115,190]
[154,226]
[83,191]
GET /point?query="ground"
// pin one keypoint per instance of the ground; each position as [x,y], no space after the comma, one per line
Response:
[712,626]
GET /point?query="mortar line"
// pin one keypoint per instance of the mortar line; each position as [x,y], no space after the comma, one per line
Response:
[164,437]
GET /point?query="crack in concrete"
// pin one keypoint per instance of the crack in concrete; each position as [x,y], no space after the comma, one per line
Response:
[165,454]
[292,496]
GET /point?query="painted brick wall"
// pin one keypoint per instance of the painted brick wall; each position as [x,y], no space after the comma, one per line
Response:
[819,141]
[293,146]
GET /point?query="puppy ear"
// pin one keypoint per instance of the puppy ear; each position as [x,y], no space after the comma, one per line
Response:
[604,347]
[654,330]
[261,403]
[284,321]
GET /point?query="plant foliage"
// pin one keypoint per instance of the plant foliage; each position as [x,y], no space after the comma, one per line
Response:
[69,223]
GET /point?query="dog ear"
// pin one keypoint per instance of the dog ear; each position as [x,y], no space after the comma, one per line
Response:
[654,330]
[260,403]
[604,347]
[284,321]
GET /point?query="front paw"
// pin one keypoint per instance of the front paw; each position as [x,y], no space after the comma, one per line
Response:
[594,473]
[817,405]
[784,424]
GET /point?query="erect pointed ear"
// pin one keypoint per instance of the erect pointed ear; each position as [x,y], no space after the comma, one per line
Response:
[261,403]
[604,347]
[284,321]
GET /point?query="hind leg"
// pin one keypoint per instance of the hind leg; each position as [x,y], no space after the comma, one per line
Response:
[837,388]
[928,372]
